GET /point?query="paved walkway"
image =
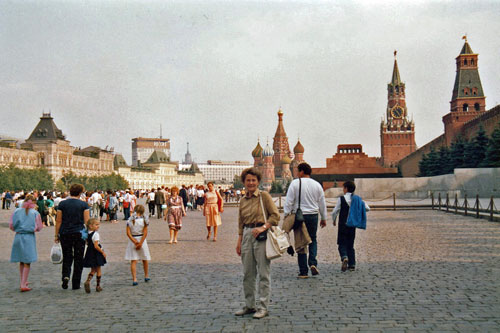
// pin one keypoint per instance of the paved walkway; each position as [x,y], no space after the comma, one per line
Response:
[417,271]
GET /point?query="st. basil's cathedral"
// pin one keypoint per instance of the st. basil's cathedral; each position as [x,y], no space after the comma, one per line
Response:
[278,164]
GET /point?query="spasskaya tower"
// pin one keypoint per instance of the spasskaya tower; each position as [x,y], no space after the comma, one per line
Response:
[397,132]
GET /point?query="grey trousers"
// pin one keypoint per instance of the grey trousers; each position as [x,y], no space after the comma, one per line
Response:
[253,258]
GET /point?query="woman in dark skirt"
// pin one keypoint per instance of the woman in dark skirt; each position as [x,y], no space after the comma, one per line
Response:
[94,256]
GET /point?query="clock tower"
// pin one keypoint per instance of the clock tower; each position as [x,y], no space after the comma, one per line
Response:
[397,132]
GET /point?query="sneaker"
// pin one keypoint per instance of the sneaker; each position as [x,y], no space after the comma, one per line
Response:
[261,313]
[135,283]
[244,311]
[344,264]
[303,276]
[98,288]
[87,287]
[65,283]
[147,279]
[314,270]
[351,269]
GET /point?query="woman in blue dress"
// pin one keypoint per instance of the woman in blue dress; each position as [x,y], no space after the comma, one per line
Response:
[25,222]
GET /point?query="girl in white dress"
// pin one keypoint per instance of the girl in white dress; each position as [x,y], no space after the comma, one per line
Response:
[137,247]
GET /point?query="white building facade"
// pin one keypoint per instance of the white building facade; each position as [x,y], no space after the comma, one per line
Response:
[220,171]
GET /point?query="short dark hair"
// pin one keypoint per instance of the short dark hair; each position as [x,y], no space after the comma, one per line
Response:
[350,186]
[76,189]
[305,167]
[251,171]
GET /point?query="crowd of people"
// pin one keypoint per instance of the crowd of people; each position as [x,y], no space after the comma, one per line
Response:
[78,215]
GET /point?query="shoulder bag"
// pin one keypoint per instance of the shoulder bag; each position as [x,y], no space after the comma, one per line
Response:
[299,217]
[263,235]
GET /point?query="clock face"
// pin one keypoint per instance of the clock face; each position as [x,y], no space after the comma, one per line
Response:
[397,112]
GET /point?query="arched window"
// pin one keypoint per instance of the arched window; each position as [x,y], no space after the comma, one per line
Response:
[465,107]
[472,61]
[477,107]
[465,62]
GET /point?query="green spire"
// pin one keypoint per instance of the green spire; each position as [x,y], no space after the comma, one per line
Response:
[466,49]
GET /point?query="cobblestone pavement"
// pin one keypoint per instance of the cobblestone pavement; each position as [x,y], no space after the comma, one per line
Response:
[417,271]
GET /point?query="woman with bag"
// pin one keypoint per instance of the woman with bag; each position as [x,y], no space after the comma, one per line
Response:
[211,210]
[257,214]
[25,222]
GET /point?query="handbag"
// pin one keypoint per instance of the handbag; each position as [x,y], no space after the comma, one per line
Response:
[299,217]
[276,243]
[56,254]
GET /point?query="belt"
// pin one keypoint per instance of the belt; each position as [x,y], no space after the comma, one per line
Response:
[252,225]
[25,233]
[138,235]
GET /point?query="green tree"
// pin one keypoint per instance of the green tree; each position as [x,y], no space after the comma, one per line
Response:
[423,166]
[445,165]
[276,187]
[492,155]
[457,153]
[16,179]
[434,167]
[475,150]
[237,184]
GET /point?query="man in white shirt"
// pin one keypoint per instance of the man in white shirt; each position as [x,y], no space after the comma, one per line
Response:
[95,200]
[151,202]
[312,203]
[127,198]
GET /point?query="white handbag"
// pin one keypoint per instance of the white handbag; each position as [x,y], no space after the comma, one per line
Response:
[276,242]
[56,255]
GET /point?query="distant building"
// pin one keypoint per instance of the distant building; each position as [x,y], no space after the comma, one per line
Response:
[142,148]
[348,163]
[47,147]
[156,171]
[187,157]
[219,171]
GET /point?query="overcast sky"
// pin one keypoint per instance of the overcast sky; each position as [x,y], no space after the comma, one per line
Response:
[214,73]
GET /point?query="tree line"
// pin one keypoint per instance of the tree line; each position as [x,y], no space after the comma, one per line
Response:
[13,178]
[479,152]
[112,181]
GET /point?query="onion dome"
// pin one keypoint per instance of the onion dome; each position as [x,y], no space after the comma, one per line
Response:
[268,151]
[298,149]
[286,160]
[257,152]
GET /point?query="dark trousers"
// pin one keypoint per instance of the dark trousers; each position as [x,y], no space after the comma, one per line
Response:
[158,210]
[151,206]
[311,221]
[3,203]
[73,247]
[346,248]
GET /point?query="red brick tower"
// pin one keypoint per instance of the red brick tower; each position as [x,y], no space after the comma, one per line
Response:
[468,100]
[280,145]
[397,132]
